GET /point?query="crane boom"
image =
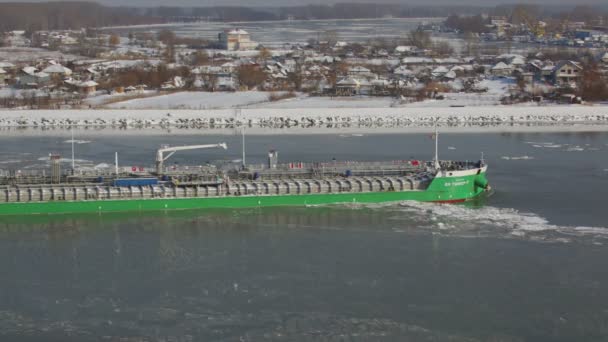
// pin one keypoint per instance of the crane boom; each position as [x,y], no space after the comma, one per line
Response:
[160,154]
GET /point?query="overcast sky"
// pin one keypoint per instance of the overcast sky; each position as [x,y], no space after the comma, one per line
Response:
[320,2]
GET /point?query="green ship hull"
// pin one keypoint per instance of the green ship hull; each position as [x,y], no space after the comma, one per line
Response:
[445,187]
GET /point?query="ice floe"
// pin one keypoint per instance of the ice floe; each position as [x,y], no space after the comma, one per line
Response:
[505,221]
[517,158]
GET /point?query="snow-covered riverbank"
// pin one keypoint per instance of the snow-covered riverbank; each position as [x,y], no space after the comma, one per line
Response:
[306,117]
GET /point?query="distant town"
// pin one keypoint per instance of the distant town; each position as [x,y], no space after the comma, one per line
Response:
[519,58]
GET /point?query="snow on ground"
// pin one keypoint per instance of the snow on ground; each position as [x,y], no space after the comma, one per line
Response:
[195,100]
[332,102]
[99,100]
[27,54]
[255,99]
[497,86]
[460,100]
[20,93]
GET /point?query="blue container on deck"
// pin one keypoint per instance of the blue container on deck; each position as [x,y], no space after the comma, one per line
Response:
[135,181]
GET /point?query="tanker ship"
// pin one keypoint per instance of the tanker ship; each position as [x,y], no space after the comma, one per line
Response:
[123,189]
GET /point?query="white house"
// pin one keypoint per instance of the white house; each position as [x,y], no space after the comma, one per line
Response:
[567,72]
[57,69]
[30,77]
[236,39]
[7,66]
[439,71]
[87,87]
[403,72]
[501,70]
[404,49]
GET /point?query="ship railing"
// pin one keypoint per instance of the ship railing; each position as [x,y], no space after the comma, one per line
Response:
[459,165]
[292,166]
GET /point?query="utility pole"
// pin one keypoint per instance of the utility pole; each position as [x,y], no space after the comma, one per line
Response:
[73,162]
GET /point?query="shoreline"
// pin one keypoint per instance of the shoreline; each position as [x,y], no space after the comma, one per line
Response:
[308,118]
[181,24]
[64,132]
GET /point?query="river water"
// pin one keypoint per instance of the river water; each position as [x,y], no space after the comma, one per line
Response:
[525,264]
[276,33]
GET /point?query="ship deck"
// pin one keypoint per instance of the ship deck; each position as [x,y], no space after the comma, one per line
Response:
[206,182]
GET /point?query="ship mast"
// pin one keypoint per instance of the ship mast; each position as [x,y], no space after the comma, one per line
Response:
[72,133]
[116,163]
[243,143]
[437,165]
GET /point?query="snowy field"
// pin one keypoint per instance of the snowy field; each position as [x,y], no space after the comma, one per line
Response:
[496,89]
[459,100]
[27,54]
[100,100]
[195,100]
[331,102]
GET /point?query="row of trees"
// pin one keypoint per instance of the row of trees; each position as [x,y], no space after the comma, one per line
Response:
[33,16]
[473,24]
[33,100]
[152,76]
[423,40]
[529,15]
[593,85]
[347,10]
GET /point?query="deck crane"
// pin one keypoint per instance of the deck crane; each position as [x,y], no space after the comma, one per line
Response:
[160,154]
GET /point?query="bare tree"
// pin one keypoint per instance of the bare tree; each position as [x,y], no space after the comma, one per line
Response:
[200,58]
[250,76]
[264,54]
[329,37]
[593,87]
[168,38]
[420,39]
[471,44]
[210,82]
[443,48]
[113,40]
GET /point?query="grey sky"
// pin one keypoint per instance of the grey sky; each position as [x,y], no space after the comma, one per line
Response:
[267,3]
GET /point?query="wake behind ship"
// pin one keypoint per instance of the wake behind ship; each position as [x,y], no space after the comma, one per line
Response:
[228,186]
